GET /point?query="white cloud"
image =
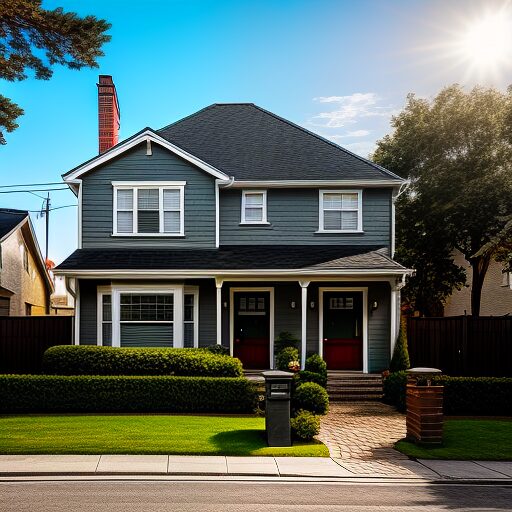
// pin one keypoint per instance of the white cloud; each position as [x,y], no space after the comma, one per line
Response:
[364,148]
[348,109]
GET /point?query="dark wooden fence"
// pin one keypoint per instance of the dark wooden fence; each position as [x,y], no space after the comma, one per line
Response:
[23,340]
[462,345]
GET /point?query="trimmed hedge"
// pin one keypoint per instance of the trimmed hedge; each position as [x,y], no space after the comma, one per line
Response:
[92,360]
[311,397]
[307,376]
[480,396]
[305,425]
[316,364]
[285,357]
[51,393]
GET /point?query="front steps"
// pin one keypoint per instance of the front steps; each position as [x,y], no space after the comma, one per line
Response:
[353,386]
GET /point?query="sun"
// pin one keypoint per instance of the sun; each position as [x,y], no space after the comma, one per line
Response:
[487,42]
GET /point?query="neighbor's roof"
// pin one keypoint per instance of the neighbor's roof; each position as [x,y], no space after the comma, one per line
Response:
[10,219]
[234,257]
[251,143]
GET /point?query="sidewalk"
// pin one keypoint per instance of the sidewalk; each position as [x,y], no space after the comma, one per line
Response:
[97,465]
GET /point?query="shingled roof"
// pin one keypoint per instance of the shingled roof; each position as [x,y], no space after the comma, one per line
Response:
[250,143]
[9,219]
[234,257]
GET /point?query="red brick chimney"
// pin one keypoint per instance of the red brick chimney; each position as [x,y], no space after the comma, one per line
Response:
[108,113]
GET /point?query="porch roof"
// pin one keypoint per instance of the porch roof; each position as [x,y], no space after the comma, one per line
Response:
[234,257]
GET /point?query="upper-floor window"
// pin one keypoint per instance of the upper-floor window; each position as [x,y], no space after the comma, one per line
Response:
[149,209]
[24,255]
[254,207]
[341,211]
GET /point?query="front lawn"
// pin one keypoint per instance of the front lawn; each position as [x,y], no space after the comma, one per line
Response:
[143,434]
[467,439]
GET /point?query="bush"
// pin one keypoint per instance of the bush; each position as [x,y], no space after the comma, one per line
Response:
[311,397]
[400,360]
[285,339]
[477,395]
[305,425]
[50,393]
[462,395]
[217,349]
[285,357]
[91,360]
[394,386]
[316,364]
[307,376]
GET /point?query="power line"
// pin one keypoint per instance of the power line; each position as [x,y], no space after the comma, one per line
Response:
[31,191]
[33,184]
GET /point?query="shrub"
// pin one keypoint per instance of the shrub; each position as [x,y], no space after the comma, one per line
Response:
[285,339]
[305,425]
[285,357]
[311,397]
[316,364]
[51,393]
[400,360]
[217,349]
[394,386]
[462,395]
[307,376]
[91,360]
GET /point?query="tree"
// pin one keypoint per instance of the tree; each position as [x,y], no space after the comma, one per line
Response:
[400,360]
[457,151]
[33,38]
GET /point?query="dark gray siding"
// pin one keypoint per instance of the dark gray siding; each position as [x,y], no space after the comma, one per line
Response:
[207,313]
[293,217]
[379,328]
[88,312]
[97,199]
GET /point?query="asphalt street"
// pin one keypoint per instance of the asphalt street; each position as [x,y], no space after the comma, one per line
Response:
[227,496]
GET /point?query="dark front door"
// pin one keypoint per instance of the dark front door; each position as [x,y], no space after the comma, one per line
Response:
[252,328]
[343,330]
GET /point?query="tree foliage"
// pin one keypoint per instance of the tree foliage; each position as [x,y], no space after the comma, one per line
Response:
[400,360]
[35,39]
[457,151]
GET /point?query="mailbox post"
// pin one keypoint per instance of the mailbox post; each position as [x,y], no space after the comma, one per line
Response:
[278,389]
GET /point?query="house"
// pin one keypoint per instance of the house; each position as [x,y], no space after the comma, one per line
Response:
[231,226]
[25,286]
[496,291]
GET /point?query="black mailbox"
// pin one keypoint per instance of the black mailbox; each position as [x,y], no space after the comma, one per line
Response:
[278,386]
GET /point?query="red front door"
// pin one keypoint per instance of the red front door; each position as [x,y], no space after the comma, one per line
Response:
[252,328]
[343,330]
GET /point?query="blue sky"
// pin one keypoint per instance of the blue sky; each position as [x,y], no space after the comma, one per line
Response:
[340,68]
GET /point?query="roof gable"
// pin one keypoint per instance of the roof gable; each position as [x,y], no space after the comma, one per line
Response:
[10,219]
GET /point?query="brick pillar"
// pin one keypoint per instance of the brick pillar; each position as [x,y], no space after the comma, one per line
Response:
[424,413]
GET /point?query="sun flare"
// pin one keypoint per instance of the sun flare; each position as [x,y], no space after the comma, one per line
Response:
[487,42]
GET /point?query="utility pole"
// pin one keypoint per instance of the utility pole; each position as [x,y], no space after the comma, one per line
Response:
[47,215]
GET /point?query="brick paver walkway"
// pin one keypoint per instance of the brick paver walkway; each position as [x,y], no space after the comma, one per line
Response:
[360,437]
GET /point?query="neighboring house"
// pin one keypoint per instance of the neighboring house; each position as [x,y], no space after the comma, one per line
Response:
[496,292]
[25,286]
[231,226]
[62,300]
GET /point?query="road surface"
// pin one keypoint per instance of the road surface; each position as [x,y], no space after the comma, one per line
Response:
[228,496]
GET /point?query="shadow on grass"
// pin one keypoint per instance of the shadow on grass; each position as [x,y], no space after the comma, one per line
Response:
[239,442]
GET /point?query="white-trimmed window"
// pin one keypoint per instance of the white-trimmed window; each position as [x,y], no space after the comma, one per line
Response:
[158,316]
[104,316]
[254,207]
[341,211]
[149,209]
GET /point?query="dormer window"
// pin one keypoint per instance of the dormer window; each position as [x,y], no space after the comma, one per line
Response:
[254,207]
[148,209]
[341,211]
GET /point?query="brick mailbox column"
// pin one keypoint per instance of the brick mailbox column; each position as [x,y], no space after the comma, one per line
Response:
[424,407]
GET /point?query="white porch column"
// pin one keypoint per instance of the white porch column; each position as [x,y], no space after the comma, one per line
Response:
[395,311]
[304,309]
[218,285]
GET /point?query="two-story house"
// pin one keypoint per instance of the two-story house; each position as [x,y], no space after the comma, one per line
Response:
[231,226]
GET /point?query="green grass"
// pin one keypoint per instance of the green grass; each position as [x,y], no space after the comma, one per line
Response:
[143,434]
[467,439]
